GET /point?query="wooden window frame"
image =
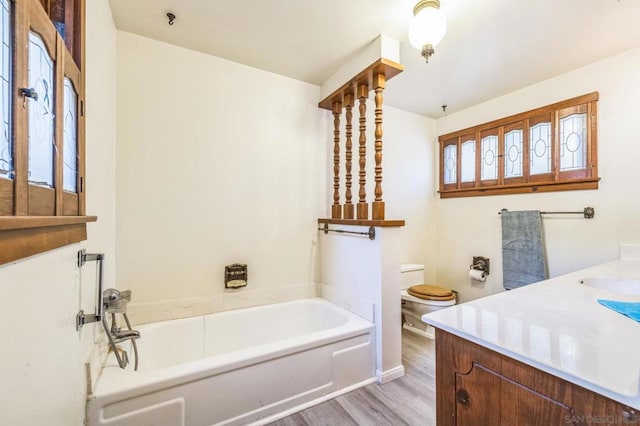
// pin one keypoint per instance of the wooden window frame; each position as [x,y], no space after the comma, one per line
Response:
[556,180]
[34,219]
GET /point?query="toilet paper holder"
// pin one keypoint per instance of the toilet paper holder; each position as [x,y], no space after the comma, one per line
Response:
[480,264]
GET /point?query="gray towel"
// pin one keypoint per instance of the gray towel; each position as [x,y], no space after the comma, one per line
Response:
[523,257]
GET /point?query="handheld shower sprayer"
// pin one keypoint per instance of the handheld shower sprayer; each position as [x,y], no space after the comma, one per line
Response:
[115,302]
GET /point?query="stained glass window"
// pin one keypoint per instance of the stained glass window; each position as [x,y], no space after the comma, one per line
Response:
[41,113]
[34,180]
[6,156]
[573,135]
[468,159]
[489,164]
[540,149]
[513,158]
[450,164]
[70,171]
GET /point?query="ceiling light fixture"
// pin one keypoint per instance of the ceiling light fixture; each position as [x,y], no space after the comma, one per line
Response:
[428,27]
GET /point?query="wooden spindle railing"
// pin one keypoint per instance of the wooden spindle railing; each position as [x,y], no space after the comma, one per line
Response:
[348,211]
[378,205]
[363,206]
[373,78]
[336,209]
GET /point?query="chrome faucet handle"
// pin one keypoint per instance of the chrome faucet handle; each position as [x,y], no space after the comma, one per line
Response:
[115,301]
[115,295]
[110,295]
[126,295]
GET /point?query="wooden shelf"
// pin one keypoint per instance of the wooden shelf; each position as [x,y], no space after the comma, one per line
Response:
[364,222]
[24,236]
[381,66]
[9,223]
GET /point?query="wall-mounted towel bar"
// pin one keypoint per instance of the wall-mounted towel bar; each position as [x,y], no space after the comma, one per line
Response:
[588,212]
[371,233]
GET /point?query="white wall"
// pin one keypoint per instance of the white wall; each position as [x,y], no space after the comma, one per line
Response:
[42,359]
[408,181]
[217,163]
[471,226]
[363,276]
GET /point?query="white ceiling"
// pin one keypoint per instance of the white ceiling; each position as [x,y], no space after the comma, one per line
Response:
[492,47]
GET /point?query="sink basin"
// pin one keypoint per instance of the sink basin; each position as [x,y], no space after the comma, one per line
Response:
[616,285]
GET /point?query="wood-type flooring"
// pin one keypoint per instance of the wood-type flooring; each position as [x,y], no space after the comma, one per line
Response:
[409,400]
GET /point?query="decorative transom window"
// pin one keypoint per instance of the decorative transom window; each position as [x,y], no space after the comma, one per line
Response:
[552,148]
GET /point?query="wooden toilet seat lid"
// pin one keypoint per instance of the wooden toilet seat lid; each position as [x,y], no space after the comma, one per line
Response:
[431,292]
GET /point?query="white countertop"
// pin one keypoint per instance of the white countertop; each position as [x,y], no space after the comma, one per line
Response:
[558,326]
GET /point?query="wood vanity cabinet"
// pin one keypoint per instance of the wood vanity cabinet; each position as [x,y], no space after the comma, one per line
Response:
[477,386]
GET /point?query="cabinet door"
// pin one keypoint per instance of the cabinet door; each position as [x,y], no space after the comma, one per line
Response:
[594,408]
[476,386]
[524,406]
[477,397]
[488,398]
[467,386]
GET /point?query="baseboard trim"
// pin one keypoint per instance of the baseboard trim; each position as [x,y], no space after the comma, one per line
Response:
[389,375]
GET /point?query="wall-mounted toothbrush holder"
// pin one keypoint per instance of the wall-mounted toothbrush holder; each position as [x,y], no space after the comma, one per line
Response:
[481,264]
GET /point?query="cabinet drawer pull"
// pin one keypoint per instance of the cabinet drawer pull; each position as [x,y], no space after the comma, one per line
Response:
[462,396]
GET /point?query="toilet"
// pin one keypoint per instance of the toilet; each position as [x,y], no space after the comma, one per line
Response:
[419,299]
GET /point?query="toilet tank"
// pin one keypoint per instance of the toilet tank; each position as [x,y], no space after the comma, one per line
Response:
[411,274]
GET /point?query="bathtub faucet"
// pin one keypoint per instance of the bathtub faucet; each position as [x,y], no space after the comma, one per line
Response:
[120,335]
[115,302]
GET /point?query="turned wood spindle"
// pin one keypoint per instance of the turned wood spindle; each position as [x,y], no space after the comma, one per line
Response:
[348,209]
[354,93]
[336,208]
[377,207]
[363,207]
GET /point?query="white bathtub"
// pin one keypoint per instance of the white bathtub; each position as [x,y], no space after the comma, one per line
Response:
[245,366]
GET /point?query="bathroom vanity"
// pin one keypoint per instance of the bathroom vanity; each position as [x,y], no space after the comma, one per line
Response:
[547,353]
[477,386]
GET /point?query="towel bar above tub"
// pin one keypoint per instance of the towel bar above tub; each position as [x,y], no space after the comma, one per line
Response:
[588,212]
[371,233]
